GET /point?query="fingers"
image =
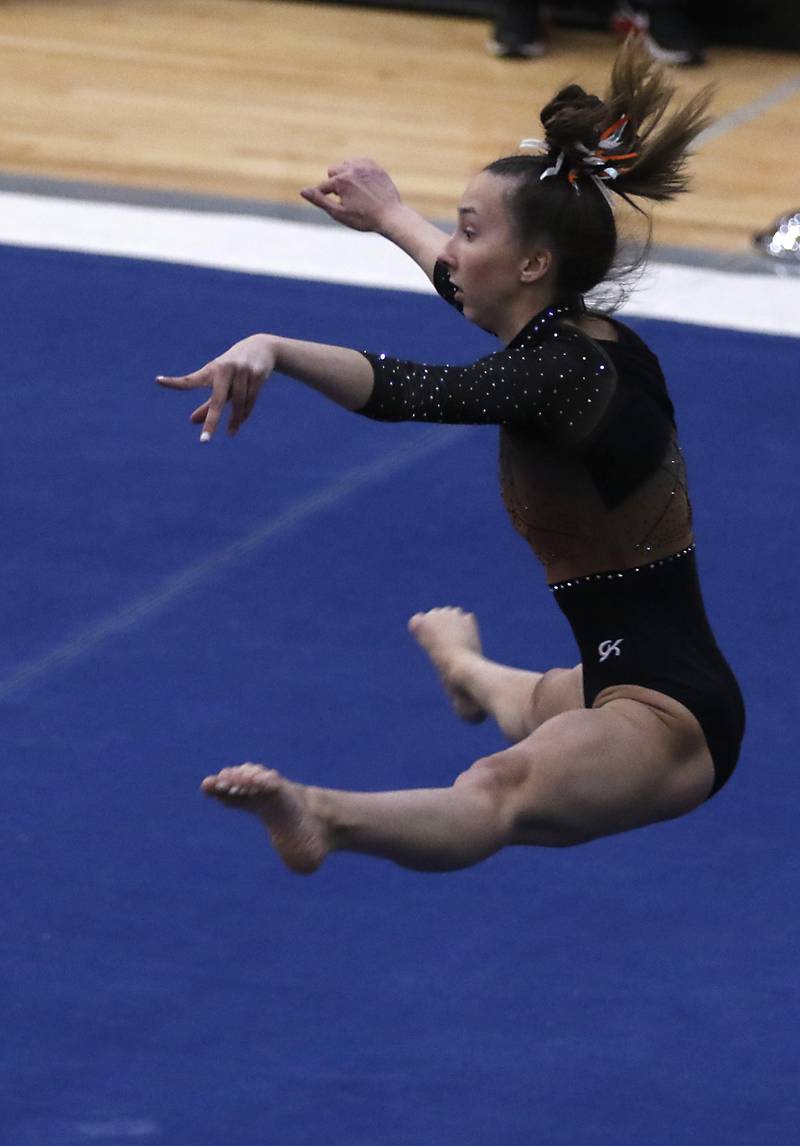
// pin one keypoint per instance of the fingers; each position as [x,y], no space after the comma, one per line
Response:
[220,378]
[215,406]
[245,409]
[315,196]
[193,381]
[198,416]
[359,164]
[234,377]
[318,193]
[243,399]
[238,399]
[323,200]
[250,401]
[203,377]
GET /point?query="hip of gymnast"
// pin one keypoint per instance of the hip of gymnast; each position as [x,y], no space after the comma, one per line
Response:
[648,726]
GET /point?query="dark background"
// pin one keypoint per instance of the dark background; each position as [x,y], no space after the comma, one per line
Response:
[752,23]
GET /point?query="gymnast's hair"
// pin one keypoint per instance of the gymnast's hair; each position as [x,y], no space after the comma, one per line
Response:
[630,145]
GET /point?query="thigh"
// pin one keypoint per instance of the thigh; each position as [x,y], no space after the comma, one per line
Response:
[595,772]
[556,691]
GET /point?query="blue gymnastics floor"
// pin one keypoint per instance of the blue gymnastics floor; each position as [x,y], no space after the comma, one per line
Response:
[170,608]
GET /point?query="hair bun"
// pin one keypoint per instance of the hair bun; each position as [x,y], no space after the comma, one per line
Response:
[628,140]
[573,117]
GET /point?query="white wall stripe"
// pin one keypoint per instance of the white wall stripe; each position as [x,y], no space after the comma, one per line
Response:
[764,303]
[228,242]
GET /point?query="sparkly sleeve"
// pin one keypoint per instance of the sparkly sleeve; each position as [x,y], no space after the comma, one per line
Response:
[559,387]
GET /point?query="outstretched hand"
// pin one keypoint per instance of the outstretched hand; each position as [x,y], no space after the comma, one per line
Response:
[357,193]
[235,377]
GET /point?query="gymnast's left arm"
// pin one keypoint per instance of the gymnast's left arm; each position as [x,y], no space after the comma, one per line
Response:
[344,376]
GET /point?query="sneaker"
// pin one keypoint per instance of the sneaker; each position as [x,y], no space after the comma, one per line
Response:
[518,32]
[665,28]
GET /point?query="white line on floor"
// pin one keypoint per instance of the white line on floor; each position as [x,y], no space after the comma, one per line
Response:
[142,608]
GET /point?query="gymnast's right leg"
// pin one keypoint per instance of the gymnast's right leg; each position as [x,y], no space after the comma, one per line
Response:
[637,758]
[520,701]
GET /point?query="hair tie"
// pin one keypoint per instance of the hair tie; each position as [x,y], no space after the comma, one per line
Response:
[556,167]
[606,156]
[602,165]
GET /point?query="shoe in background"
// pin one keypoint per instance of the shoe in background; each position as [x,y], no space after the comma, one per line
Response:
[666,29]
[519,32]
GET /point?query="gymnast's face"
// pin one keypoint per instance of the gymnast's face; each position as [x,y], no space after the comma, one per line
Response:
[487,263]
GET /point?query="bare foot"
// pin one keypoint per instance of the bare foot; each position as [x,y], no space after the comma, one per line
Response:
[284,808]
[450,637]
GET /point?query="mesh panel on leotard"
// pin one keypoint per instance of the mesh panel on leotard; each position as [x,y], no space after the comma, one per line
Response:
[591,471]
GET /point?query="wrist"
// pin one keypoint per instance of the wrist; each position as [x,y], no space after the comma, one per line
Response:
[270,346]
[396,221]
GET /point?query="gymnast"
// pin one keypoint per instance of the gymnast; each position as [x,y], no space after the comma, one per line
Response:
[648,726]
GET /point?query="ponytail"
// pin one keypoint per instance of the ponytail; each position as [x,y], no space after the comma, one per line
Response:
[628,144]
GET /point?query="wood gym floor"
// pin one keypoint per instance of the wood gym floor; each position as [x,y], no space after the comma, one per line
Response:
[251,99]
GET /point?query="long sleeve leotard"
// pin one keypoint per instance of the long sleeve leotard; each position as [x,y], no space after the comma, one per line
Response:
[591,471]
[593,478]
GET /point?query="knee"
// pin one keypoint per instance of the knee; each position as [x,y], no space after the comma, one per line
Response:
[491,779]
[508,787]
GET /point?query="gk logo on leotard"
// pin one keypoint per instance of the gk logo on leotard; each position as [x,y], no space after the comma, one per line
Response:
[606,648]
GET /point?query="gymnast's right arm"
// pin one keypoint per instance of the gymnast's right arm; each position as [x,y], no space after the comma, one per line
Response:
[344,376]
[362,196]
[561,385]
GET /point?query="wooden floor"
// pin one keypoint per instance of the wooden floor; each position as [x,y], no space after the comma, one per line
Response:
[253,99]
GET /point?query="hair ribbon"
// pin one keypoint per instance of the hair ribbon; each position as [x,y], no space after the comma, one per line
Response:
[601,165]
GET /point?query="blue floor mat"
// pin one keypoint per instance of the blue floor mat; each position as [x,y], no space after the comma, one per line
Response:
[163,978]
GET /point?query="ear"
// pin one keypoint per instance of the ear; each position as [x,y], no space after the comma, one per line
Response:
[536,265]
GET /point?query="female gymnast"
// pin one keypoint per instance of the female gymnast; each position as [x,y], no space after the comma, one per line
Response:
[649,725]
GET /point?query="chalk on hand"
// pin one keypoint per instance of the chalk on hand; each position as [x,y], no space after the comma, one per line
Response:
[205,436]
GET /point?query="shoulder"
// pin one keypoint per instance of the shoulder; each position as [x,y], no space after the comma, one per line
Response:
[616,341]
[596,327]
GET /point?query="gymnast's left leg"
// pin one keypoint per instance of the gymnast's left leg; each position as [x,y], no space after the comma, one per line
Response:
[518,699]
[636,758]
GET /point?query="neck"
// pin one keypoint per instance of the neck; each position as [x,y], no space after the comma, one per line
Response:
[519,315]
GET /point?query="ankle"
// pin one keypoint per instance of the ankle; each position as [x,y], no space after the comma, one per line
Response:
[323,805]
[462,666]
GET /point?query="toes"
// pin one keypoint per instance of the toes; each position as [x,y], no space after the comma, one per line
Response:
[420,618]
[216,786]
[228,781]
[242,780]
[446,622]
[219,786]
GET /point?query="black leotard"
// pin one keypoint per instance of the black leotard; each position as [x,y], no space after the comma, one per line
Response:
[593,477]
